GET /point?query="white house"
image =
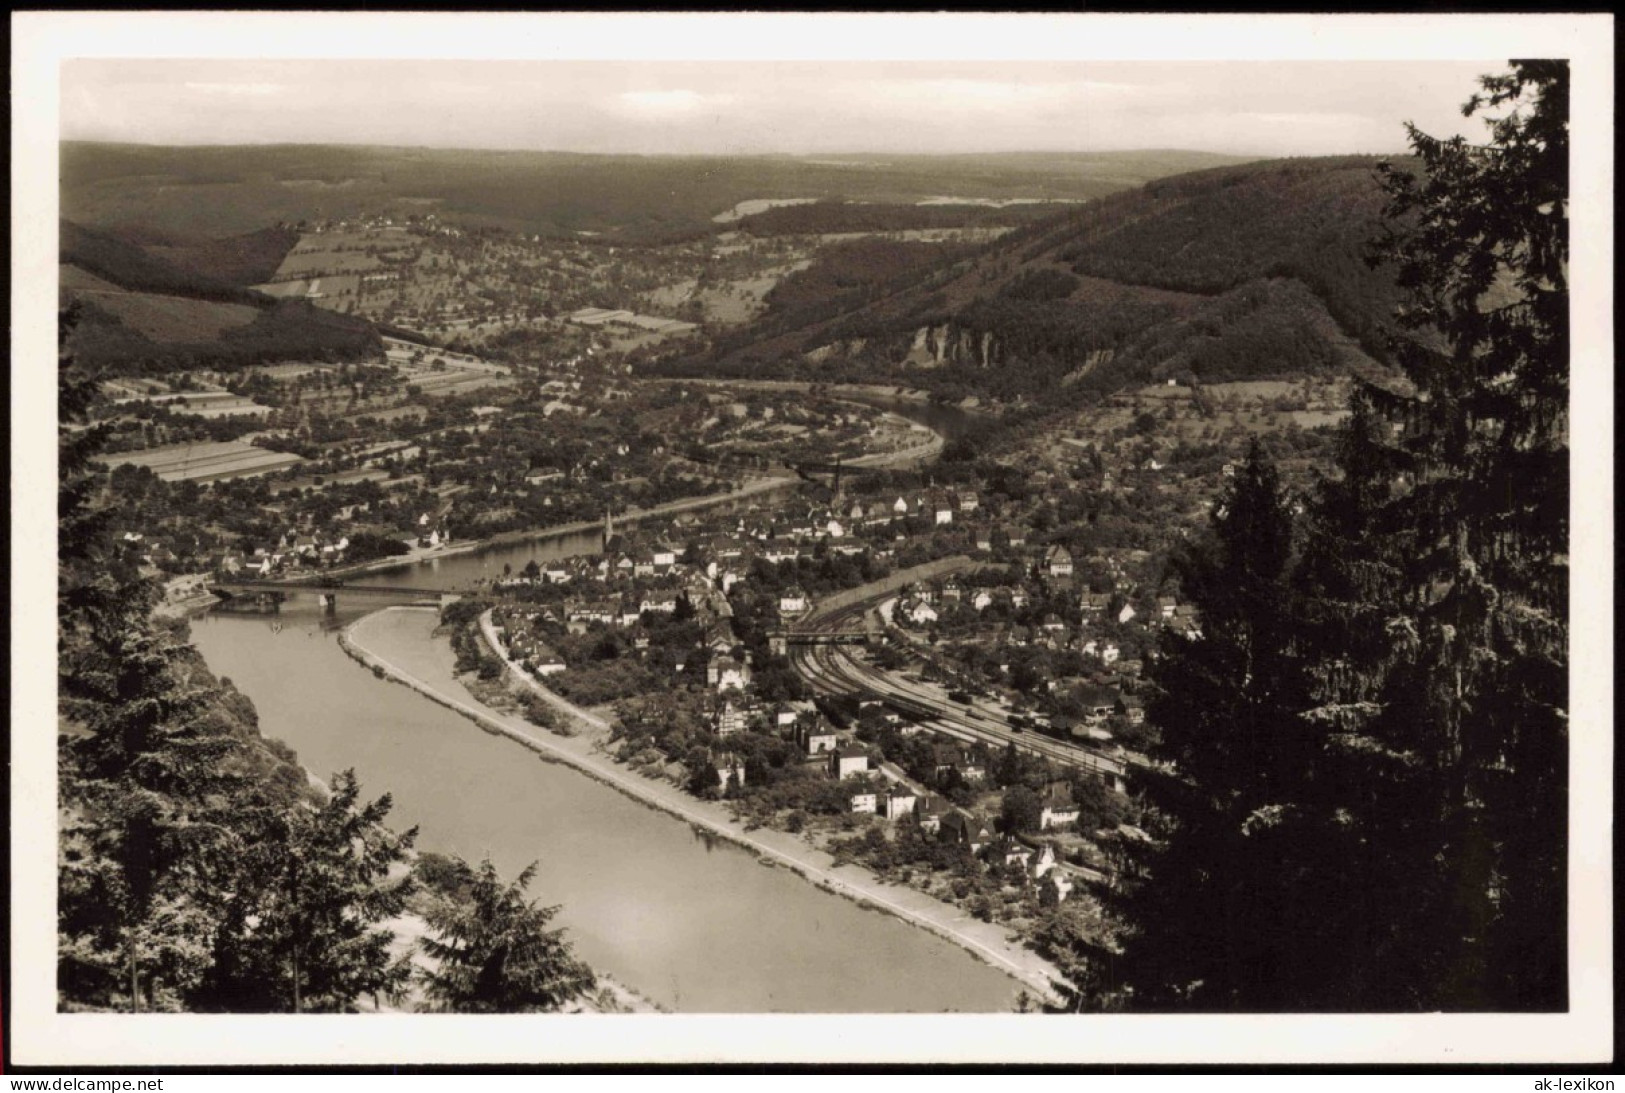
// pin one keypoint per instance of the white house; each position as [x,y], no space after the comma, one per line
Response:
[730,771]
[849,762]
[918,612]
[727,674]
[1057,806]
[815,737]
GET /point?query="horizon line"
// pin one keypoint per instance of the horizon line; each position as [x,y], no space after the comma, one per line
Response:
[1249,156]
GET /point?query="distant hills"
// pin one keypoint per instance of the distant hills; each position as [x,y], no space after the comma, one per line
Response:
[1239,272]
[158,302]
[1175,265]
[231,190]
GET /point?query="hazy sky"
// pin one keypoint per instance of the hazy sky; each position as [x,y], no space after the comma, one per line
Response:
[1255,108]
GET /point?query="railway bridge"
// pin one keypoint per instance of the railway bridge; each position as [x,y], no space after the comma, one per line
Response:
[780,641]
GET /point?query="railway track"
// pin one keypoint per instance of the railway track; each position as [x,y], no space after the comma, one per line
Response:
[832,671]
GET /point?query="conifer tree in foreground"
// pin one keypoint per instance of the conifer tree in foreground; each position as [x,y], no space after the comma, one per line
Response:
[493,952]
[1365,806]
[1207,904]
[1472,690]
[304,929]
[144,828]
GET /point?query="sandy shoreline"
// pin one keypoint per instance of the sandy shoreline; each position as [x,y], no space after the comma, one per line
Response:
[378,642]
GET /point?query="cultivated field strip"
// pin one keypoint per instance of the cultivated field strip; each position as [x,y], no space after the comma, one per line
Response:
[201,462]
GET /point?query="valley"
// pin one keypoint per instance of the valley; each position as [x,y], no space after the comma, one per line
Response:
[982,539]
[743,411]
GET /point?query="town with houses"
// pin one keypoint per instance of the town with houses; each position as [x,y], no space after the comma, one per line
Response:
[683,628]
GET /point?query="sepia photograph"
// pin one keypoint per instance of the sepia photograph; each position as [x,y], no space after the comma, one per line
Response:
[703,539]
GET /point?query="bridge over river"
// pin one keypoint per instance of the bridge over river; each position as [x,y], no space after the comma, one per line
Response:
[266,595]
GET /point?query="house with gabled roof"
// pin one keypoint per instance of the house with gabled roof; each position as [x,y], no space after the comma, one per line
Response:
[929,812]
[1057,807]
[917,612]
[1058,561]
[900,801]
[1011,851]
[816,736]
[966,830]
[730,717]
[727,674]
[848,762]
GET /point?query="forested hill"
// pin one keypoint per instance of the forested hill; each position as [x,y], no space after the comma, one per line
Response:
[229,190]
[1234,273]
[157,302]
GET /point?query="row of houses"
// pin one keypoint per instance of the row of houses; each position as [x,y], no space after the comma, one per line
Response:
[897,801]
[295,550]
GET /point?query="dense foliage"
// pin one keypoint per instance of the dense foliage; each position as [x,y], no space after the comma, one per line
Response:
[828,217]
[492,950]
[1238,273]
[1365,806]
[282,330]
[248,259]
[222,190]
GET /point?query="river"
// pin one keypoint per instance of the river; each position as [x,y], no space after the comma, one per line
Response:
[691,922]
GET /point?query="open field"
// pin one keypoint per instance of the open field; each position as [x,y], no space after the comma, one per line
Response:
[283,371]
[731,302]
[316,288]
[208,462]
[402,352]
[599,316]
[206,404]
[353,251]
[758,205]
[920,235]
